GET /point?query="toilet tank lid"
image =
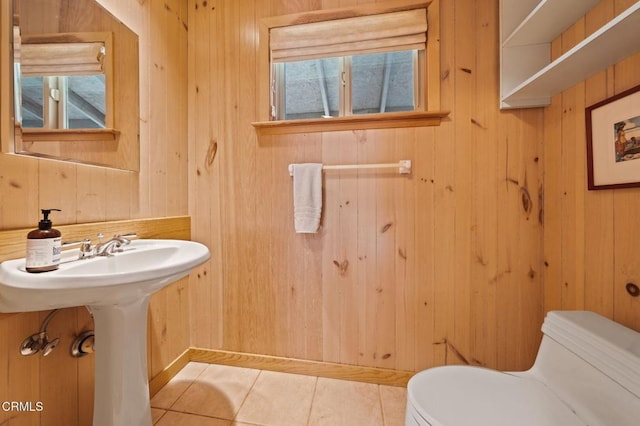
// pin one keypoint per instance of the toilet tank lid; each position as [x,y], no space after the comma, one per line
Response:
[610,347]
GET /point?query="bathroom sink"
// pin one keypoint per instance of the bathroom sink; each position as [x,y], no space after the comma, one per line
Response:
[116,289]
[143,267]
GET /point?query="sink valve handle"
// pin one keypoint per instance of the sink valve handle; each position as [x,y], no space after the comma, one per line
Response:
[40,341]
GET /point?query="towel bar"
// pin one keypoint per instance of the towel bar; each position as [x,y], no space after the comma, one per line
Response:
[403,166]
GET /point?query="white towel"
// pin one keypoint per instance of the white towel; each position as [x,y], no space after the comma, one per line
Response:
[307,196]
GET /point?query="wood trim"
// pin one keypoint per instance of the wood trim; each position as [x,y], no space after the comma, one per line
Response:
[168,373]
[264,73]
[432,67]
[380,376]
[6,78]
[68,135]
[353,122]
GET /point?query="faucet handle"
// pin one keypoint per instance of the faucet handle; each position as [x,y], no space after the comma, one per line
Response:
[85,245]
[86,250]
[100,237]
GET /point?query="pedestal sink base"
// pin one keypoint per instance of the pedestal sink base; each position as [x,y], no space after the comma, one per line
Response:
[121,382]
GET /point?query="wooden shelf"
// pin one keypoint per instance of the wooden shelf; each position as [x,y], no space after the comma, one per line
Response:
[529,79]
[356,122]
[74,135]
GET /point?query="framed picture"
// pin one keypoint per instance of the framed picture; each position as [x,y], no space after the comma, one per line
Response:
[613,141]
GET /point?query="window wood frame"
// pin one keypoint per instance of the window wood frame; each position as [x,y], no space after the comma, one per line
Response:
[430,74]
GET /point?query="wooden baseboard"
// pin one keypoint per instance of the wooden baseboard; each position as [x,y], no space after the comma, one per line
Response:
[379,376]
[162,378]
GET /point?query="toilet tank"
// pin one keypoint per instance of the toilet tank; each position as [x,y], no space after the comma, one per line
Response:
[592,364]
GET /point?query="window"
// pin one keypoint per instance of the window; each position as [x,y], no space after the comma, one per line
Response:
[63,102]
[350,85]
[62,84]
[369,66]
[360,65]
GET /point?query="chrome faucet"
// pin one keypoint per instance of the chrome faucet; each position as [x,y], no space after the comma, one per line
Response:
[107,248]
[112,246]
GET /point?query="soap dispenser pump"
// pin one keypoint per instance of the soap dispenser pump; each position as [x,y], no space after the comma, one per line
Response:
[44,246]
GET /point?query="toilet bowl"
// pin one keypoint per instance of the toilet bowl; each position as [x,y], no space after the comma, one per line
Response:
[587,372]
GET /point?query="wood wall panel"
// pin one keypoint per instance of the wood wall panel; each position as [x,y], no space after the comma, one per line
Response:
[435,242]
[92,194]
[440,267]
[588,243]
[448,265]
[204,171]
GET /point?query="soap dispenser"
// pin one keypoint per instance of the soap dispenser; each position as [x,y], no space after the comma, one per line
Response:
[44,246]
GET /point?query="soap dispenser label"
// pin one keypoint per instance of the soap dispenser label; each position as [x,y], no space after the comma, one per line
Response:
[43,252]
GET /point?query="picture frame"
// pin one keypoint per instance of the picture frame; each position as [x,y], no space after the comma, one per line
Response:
[613,141]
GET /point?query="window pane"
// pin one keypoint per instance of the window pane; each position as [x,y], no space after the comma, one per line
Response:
[383,82]
[32,106]
[311,88]
[85,101]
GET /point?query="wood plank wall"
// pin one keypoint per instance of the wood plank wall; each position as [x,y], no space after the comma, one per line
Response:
[449,265]
[589,242]
[441,267]
[92,194]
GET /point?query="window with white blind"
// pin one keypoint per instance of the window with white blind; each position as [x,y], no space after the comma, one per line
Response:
[369,66]
[64,81]
[365,64]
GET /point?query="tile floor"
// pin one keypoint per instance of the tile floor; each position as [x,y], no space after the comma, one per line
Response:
[216,395]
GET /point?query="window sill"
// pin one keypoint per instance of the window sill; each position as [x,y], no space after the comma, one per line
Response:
[59,135]
[356,122]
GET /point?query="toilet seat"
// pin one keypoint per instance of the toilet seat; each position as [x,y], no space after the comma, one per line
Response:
[461,395]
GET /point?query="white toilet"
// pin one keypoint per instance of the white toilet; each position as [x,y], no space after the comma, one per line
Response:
[587,372]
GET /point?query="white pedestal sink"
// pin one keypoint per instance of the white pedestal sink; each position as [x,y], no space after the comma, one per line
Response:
[117,290]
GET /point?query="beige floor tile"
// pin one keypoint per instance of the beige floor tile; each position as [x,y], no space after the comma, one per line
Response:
[171,418]
[177,385]
[340,402]
[218,392]
[394,402]
[278,399]
[156,414]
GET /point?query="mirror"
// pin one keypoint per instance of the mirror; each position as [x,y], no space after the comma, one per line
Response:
[75,83]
